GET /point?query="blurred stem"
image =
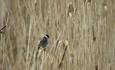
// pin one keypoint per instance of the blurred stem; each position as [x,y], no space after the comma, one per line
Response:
[60,64]
[28,50]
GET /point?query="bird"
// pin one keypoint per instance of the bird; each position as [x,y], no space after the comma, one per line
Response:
[44,42]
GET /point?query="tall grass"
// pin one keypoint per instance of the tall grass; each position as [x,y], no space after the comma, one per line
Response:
[79,36]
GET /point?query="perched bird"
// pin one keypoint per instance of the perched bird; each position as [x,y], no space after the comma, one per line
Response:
[44,42]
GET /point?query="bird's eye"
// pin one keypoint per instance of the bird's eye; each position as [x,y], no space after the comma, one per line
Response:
[47,35]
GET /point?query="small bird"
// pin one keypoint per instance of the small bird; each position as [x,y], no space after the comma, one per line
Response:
[44,42]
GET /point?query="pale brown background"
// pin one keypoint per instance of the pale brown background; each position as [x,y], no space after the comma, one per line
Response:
[90,33]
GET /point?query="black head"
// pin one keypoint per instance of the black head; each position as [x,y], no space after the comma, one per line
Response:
[47,35]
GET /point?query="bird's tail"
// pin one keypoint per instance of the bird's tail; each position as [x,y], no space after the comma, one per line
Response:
[38,48]
[37,51]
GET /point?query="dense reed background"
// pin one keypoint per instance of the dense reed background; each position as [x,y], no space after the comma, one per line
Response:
[82,34]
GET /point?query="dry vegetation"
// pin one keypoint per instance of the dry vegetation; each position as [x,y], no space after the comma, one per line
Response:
[82,34]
